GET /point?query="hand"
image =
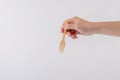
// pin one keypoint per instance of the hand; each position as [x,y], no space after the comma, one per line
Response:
[76,26]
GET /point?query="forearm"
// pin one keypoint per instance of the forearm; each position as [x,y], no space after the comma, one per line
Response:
[107,28]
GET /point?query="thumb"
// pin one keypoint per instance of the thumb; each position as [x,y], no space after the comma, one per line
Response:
[71,26]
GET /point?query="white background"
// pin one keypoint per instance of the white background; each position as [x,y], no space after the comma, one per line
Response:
[30,36]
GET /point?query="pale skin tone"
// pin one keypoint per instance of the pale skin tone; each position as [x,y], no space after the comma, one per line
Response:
[76,26]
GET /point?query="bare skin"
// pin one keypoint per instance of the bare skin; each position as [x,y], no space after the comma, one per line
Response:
[76,26]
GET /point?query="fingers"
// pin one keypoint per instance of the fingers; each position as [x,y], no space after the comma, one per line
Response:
[72,34]
[72,30]
[65,23]
[62,29]
[70,26]
[74,37]
[68,21]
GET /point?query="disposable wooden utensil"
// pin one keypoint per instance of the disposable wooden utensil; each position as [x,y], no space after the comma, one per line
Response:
[62,42]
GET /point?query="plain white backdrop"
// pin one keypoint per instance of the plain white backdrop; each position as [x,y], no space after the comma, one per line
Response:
[30,36]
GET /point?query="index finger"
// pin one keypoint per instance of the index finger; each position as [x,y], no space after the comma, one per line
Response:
[68,21]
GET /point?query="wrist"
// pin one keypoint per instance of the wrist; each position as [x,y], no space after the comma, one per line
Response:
[96,29]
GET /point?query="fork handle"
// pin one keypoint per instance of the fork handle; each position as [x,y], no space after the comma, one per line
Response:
[64,34]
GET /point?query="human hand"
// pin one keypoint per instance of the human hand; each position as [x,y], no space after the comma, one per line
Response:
[76,26]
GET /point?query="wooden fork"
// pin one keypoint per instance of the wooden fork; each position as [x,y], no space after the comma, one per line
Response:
[62,43]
